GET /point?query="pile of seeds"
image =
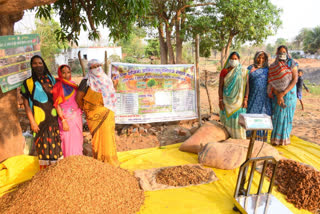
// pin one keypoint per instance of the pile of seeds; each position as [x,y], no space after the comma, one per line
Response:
[77,184]
[300,183]
[182,176]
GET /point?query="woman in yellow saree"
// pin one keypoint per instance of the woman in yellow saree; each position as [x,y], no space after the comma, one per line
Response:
[96,97]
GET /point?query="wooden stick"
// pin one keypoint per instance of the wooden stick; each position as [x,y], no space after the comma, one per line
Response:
[82,65]
[207,90]
[198,78]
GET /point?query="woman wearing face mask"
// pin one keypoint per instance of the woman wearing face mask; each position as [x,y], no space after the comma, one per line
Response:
[258,101]
[38,103]
[282,81]
[232,100]
[70,115]
[96,97]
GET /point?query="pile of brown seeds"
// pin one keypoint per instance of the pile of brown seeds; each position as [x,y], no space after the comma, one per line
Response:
[182,176]
[300,183]
[77,184]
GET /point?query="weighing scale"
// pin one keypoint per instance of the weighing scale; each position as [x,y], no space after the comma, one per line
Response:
[260,202]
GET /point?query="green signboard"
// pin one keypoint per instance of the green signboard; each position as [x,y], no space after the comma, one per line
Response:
[15,54]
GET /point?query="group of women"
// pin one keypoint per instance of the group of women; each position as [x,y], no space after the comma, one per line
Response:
[259,89]
[54,109]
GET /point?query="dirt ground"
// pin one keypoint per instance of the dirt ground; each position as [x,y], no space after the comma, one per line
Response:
[130,137]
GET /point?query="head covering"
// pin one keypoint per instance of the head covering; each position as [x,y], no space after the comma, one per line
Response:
[255,61]
[280,72]
[46,70]
[99,82]
[226,65]
[234,88]
[63,89]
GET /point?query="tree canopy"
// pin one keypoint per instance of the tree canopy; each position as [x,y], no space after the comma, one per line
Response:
[76,15]
[49,44]
[235,22]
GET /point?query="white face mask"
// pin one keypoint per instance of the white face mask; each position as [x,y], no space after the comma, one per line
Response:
[96,71]
[233,62]
[282,56]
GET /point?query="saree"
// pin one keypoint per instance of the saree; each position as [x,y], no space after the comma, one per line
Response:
[101,124]
[64,92]
[233,94]
[280,76]
[258,100]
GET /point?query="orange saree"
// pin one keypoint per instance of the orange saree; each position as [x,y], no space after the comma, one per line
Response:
[101,124]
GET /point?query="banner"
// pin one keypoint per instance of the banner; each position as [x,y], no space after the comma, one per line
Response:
[15,55]
[154,93]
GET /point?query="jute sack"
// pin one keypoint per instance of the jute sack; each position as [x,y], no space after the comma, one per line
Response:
[211,131]
[230,154]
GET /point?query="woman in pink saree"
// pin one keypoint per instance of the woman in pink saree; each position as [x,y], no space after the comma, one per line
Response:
[70,115]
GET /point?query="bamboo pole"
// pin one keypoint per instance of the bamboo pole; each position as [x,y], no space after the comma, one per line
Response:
[82,65]
[198,78]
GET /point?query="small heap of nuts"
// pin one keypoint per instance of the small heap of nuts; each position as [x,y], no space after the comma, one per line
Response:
[300,183]
[76,184]
[182,176]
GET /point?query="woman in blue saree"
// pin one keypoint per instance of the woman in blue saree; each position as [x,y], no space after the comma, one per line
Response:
[282,80]
[258,100]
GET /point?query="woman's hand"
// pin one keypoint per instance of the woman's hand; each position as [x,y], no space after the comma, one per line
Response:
[34,127]
[245,103]
[65,125]
[221,105]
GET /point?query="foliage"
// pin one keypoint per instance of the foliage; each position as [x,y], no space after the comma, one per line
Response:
[205,46]
[311,41]
[152,48]
[118,16]
[49,44]
[234,22]
[281,41]
[130,59]
[133,45]
[114,58]
[296,55]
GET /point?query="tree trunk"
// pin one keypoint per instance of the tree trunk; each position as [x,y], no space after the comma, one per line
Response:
[163,45]
[178,44]
[225,50]
[169,44]
[11,139]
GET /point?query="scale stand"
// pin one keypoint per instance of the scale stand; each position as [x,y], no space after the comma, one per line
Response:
[257,203]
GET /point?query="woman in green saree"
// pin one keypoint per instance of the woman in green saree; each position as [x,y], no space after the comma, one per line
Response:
[233,95]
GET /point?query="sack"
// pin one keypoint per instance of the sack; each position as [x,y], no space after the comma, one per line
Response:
[29,147]
[211,131]
[231,153]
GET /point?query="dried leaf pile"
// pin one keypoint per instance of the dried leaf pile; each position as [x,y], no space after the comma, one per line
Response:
[77,184]
[300,183]
[182,176]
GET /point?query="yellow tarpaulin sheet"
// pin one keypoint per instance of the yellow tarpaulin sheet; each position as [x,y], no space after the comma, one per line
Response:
[216,197]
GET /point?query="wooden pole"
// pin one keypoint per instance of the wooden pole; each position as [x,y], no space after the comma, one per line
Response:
[81,63]
[106,62]
[207,90]
[198,78]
